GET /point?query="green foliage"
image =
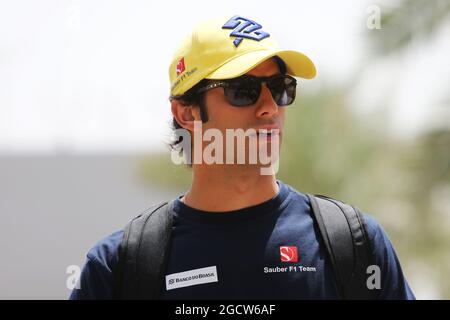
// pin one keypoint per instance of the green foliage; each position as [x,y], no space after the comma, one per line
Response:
[324,144]
[158,169]
[410,20]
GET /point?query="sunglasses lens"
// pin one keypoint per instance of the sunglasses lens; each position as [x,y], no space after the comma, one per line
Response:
[242,92]
[283,90]
[245,91]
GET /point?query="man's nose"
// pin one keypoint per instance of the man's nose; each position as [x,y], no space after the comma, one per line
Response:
[266,106]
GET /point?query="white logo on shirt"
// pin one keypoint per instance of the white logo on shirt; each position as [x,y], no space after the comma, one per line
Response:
[191,278]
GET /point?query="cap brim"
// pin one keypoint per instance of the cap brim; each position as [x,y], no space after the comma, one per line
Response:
[297,64]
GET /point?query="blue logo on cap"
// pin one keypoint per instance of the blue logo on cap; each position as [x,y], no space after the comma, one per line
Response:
[244,28]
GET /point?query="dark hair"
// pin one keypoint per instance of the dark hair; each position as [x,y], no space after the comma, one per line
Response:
[189,98]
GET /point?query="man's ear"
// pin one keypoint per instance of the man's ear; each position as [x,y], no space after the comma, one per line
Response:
[185,115]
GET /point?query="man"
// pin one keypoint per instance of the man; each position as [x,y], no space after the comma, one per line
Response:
[238,232]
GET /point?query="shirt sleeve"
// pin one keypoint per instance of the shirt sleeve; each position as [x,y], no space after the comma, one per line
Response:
[394,285]
[96,280]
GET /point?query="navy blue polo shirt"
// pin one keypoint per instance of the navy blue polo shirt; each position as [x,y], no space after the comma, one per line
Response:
[272,250]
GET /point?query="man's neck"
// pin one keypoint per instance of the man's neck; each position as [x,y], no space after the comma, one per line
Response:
[229,188]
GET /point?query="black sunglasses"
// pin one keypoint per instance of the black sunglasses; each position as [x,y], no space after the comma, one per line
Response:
[245,90]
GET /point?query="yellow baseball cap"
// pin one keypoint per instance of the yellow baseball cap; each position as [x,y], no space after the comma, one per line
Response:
[227,48]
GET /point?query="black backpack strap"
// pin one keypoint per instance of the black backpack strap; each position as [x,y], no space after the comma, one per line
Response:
[143,254]
[346,240]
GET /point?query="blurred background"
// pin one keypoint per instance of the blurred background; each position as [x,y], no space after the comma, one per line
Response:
[84,124]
